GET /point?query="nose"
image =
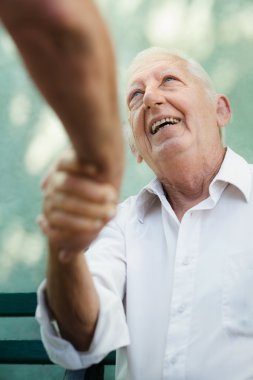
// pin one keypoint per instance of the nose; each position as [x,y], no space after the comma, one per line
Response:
[153,97]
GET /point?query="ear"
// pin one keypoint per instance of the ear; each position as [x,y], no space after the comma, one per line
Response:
[223,110]
[131,142]
[139,158]
[137,155]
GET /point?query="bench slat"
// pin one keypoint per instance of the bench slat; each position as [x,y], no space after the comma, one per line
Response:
[109,359]
[23,352]
[32,352]
[17,304]
[26,351]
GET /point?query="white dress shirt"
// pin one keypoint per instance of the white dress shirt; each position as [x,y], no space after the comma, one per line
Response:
[187,287]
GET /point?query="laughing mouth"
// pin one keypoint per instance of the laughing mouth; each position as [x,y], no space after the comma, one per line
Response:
[162,123]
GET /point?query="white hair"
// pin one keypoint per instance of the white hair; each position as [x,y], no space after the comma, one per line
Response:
[193,66]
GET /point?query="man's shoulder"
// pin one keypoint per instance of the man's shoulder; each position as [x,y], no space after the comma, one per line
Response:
[132,203]
[135,207]
[128,206]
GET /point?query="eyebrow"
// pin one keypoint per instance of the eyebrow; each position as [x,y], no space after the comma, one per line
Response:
[133,87]
[174,72]
[162,73]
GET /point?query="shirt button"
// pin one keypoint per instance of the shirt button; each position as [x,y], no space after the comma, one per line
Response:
[181,308]
[186,261]
[173,360]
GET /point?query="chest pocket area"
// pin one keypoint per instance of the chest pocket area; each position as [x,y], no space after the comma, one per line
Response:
[237,298]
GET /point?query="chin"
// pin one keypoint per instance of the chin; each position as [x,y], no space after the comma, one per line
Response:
[171,148]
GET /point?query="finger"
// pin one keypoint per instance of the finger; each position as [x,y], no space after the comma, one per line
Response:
[78,206]
[52,233]
[42,223]
[68,162]
[75,223]
[46,179]
[82,188]
[71,242]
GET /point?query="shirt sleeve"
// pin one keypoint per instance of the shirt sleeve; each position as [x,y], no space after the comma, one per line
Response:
[107,263]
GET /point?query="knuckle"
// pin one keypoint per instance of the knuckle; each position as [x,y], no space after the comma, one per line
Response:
[111,211]
[110,194]
[55,217]
[92,224]
[59,200]
[106,212]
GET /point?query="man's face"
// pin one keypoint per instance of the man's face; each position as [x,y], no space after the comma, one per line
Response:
[170,110]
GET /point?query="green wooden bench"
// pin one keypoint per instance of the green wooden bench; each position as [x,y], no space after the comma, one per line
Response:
[32,351]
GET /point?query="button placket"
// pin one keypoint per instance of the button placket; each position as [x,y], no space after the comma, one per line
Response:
[183,287]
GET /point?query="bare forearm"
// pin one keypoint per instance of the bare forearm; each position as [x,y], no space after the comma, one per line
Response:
[75,209]
[72,299]
[68,52]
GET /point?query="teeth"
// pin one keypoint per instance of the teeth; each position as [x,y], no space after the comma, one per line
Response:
[157,124]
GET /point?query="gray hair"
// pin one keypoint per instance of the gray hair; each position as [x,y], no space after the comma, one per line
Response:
[193,66]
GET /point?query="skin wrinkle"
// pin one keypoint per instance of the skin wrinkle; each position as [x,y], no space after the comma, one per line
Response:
[193,66]
[190,188]
[199,187]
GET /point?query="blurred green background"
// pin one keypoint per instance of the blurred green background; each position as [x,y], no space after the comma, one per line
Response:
[217,33]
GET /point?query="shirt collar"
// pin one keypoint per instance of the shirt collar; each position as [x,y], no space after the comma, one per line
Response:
[234,170]
[147,196]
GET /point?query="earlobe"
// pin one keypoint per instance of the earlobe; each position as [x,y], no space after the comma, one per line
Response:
[223,111]
[139,158]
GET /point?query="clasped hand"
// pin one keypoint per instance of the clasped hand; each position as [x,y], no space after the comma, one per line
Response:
[75,206]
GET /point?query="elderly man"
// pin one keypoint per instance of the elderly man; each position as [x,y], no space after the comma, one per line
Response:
[168,281]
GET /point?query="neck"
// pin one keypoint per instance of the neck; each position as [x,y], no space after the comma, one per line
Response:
[188,184]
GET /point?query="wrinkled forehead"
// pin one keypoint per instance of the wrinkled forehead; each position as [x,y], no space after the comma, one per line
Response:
[143,66]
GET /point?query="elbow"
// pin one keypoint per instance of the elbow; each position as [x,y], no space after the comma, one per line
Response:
[80,339]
